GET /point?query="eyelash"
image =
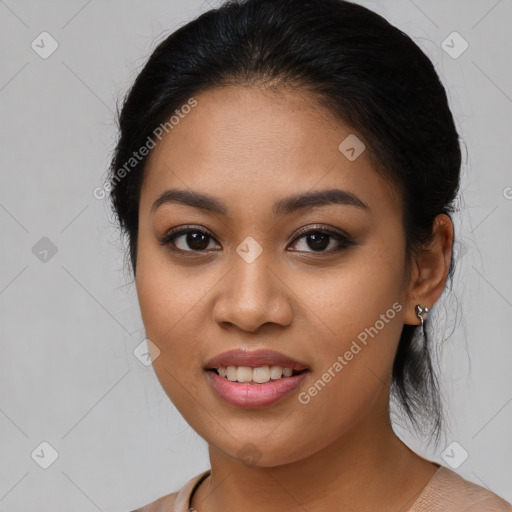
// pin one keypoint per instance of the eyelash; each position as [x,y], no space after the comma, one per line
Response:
[343,240]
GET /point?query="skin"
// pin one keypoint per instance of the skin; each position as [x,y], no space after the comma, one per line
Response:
[249,147]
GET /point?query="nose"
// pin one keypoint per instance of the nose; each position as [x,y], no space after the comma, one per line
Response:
[252,295]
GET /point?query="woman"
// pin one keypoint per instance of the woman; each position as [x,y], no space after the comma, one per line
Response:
[285,175]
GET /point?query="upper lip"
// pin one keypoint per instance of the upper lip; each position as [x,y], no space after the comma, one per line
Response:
[253,359]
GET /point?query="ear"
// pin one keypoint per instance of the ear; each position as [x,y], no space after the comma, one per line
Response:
[429,270]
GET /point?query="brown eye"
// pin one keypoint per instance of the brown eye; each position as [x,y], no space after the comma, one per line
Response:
[187,240]
[195,240]
[318,240]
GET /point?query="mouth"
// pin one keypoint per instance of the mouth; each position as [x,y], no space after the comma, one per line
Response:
[254,379]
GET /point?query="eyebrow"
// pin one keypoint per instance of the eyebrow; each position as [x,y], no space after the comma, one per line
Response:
[282,207]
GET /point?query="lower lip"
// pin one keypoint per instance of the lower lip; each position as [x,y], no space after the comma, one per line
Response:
[243,394]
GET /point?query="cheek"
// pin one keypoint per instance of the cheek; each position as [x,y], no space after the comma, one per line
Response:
[170,306]
[356,296]
[166,293]
[360,315]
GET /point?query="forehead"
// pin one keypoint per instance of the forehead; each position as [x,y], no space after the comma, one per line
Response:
[252,146]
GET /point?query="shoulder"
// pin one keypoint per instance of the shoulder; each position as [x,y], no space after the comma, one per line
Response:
[447,491]
[164,504]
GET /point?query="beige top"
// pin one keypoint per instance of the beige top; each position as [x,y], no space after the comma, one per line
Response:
[446,491]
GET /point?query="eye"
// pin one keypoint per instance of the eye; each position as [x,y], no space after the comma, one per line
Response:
[195,239]
[319,239]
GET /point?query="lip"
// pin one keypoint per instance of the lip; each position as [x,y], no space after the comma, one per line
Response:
[254,396]
[253,359]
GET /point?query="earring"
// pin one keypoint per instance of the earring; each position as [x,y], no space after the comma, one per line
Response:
[420,311]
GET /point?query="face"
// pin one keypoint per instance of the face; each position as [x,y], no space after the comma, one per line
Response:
[321,282]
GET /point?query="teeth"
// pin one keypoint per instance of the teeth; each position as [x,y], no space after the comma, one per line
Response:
[259,375]
[243,374]
[276,372]
[231,373]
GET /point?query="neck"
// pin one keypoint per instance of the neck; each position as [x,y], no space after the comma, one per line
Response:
[368,468]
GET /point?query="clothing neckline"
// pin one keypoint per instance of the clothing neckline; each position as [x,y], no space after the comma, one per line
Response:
[185,495]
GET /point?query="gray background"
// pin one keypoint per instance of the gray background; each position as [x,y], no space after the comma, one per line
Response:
[69,324]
